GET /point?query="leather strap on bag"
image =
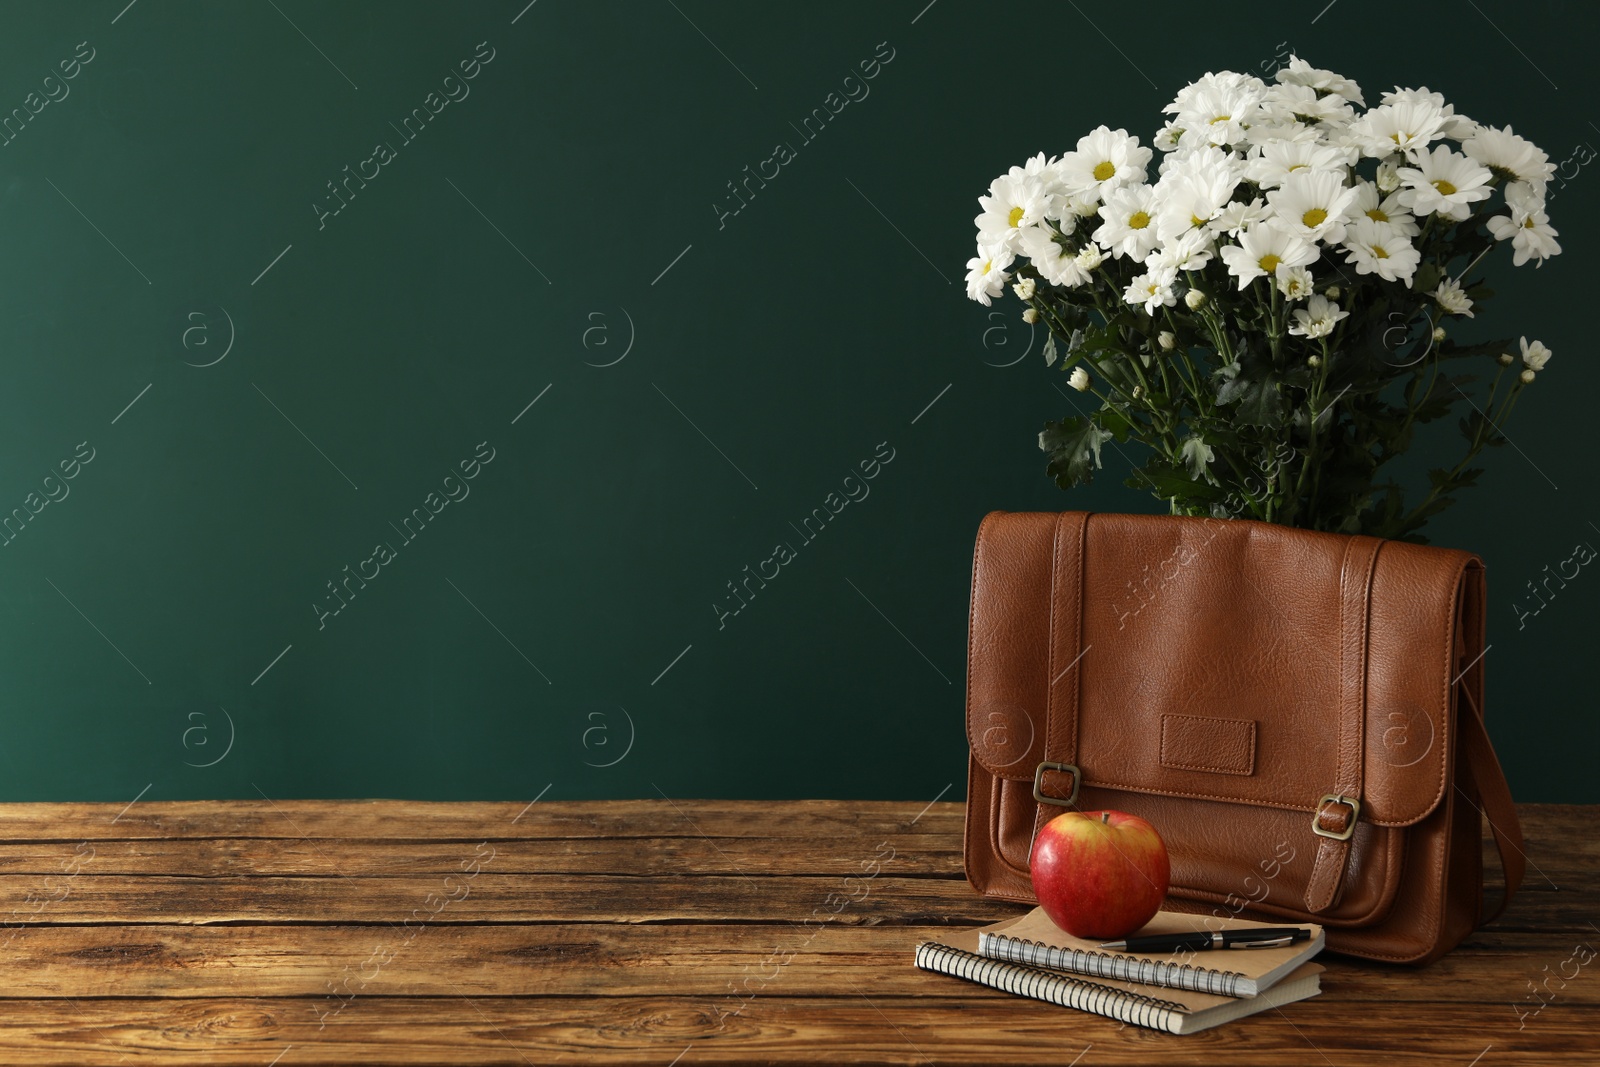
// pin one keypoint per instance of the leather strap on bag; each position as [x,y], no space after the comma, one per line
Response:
[1335,820]
[1495,794]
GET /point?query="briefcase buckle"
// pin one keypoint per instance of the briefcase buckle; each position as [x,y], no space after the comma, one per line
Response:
[1350,827]
[1038,784]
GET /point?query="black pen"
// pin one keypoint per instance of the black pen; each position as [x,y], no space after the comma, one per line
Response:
[1253,937]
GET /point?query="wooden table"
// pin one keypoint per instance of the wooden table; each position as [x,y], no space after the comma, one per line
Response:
[654,932]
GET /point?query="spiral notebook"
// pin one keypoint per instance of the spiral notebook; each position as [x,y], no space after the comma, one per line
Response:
[1174,1011]
[1036,941]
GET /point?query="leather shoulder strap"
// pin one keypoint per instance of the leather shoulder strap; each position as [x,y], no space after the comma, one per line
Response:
[1355,599]
[1495,794]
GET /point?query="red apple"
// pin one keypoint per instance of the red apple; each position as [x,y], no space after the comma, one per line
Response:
[1099,874]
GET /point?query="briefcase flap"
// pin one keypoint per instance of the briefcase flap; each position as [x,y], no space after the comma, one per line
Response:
[1212,659]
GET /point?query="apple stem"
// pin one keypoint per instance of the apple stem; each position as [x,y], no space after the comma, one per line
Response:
[1105,816]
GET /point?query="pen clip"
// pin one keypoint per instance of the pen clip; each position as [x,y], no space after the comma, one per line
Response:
[1277,942]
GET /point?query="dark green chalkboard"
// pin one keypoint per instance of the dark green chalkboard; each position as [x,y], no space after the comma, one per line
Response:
[607,368]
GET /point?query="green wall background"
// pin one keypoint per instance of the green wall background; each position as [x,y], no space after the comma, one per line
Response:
[702,379]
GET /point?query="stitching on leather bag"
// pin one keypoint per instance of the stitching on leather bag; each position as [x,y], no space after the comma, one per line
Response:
[1050,663]
[1250,734]
[1077,688]
[972,630]
[1448,621]
[997,802]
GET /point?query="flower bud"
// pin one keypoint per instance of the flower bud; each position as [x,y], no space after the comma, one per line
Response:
[1167,341]
[1314,361]
[1438,333]
[1527,376]
[1030,316]
[1024,288]
[1079,379]
[1333,292]
[1506,359]
[1195,299]
[1388,176]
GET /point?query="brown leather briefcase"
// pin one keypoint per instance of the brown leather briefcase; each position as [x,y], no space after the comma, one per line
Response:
[1297,713]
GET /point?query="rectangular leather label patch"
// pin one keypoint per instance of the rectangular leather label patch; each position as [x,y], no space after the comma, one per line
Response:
[1218,746]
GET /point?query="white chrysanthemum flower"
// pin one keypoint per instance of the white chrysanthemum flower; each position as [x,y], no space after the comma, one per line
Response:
[1055,264]
[1188,251]
[986,273]
[1375,248]
[1084,205]
[1036,167]
[1090,257]
[1218,107]
[1509,156]
[1024,288]
[1317,318]
[1153,290]
[1444,182]
[1295,283]
[1104,160]
[1299,72]
[1169,137]
[1078,379]
[1399,126]
[1266,132]
[1527,227]
[1387,210]
[1535,354]
[1312,204]
[1193,189]
[1262,248]
[1388,175]
[1289,102]
[1010,207]
[1235,217]
[1227,81]
[1452,299]
[1271,162]
[1452,125]
[1129,228]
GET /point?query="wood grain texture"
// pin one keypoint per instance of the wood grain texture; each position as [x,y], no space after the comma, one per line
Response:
[641,932]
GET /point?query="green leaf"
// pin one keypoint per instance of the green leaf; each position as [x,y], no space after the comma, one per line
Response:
[1426,279]
[1260,404]
[1116,422]
[1074,447]
[1167,483]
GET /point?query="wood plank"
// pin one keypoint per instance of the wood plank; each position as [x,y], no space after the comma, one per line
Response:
[475,820]
[860,1027]
[411,820]
[492,896]
[732,961]
[357,858]
[925,854]
[495,897]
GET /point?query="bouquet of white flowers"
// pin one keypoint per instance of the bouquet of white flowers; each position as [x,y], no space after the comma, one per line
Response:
[1268,315]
